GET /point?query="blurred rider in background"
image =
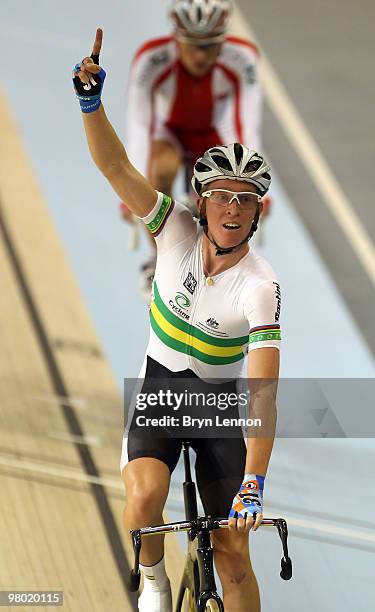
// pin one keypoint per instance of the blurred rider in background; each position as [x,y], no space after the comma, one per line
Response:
[189,91]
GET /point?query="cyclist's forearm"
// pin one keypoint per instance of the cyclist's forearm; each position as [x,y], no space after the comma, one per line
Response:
[261,437]
[263,372]
[105,146]
[111,158]
[258,455]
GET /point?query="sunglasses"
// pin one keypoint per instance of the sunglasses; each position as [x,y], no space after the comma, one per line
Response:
[223,197]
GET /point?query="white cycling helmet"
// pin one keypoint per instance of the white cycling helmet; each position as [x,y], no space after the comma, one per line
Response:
[234,161]
[201,20]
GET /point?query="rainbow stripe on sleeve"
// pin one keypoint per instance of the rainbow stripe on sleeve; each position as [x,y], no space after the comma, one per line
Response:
[156,225]
[264,333]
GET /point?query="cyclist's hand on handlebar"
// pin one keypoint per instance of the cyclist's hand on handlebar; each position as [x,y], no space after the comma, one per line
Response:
[247,507]
[88,77]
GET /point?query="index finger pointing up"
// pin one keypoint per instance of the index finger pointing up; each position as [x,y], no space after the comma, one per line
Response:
[98,42]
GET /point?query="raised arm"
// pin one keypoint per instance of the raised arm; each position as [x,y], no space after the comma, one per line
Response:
[106,148]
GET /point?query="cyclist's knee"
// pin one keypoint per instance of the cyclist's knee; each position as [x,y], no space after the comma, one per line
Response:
[165,161]
[232,556]
[146,485]
[232,562]
[162,177]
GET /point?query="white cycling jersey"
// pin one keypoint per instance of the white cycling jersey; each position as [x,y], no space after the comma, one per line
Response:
[205,324]
[165,102]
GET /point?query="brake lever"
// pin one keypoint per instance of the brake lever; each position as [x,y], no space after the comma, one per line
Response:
[135,574]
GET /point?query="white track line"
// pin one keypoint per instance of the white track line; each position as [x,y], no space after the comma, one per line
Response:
[67,474]
[311,156]
[75,439]
[333,529]
[70,402]
[75,475]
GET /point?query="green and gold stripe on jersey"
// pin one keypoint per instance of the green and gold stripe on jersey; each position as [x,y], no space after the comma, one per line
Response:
[156,225]
[180,336]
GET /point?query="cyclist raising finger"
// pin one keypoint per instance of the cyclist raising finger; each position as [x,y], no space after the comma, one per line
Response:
[190,91]
[214,299]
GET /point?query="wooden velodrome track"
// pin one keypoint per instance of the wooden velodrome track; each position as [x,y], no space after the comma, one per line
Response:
[61,415]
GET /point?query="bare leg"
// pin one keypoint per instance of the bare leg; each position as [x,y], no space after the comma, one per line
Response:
[165,162]
[232,561]
[146,483]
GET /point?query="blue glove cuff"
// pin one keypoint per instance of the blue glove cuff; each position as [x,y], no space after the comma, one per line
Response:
[260,480]
[89,103]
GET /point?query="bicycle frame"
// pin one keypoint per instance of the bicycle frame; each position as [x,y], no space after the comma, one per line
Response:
[198,577]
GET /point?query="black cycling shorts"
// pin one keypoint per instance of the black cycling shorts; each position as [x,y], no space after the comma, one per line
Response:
[220,462]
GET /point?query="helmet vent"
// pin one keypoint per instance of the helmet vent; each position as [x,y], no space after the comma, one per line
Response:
[238,153]
[197,186]
[200,167]
[253,166]
[222,162]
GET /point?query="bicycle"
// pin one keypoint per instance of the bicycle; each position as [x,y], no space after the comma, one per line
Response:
[198,586]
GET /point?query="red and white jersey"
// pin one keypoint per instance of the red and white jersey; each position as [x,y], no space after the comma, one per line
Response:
[166,102]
